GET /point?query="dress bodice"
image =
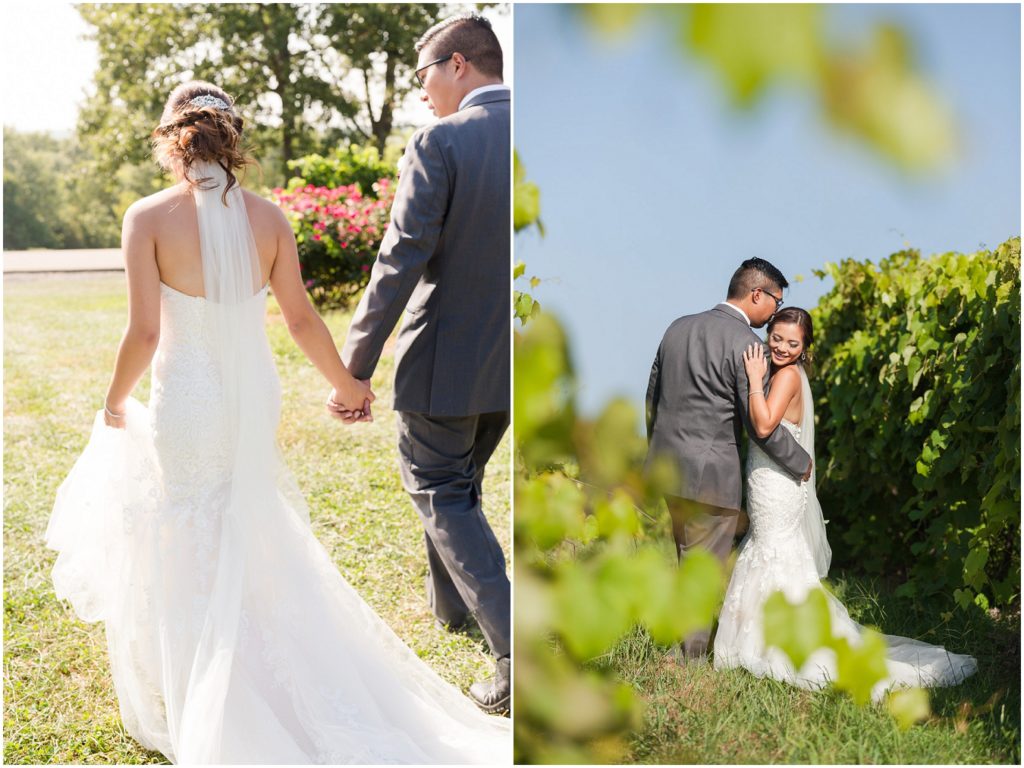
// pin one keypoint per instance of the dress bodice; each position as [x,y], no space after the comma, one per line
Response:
[186,407]
[775,499]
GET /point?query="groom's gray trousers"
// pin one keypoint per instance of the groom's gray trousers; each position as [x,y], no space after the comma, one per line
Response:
[695,524]
[442,462]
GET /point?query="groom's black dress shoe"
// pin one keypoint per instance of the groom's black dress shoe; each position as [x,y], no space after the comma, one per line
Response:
[494,695]
[680,658]
[454,625]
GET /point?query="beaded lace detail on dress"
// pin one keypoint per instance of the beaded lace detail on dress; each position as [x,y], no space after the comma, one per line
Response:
[775,556]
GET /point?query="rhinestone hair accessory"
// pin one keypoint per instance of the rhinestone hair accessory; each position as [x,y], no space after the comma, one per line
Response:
[206,100]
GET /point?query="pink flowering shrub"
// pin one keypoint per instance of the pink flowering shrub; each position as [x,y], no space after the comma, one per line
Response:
[338,232]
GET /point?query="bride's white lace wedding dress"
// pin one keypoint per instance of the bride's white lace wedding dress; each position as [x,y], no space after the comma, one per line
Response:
[232,636]
[786,550]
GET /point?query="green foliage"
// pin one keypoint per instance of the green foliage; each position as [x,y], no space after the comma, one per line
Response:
[917,391]
[31,175]
[300,75]
[527,199]
[798,630]
[588,569]
[909,707]
[378,40]
[341,167]
[803,629]
[526,213]
[50,201]
[701,715]
[288,66]
[752,47]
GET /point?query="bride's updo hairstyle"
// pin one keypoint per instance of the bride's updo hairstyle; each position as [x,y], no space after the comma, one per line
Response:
[798,317]
[199,124]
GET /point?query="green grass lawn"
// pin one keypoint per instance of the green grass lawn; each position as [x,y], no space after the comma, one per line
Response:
[697,715]
[60,339]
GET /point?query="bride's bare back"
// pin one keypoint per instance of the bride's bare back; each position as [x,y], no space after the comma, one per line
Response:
[168,220]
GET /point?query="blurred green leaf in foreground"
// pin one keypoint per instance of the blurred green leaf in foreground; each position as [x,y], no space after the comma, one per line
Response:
[872,92]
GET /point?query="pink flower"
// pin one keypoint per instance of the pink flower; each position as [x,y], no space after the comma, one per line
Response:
[310,283]
[317,237]
[365,267]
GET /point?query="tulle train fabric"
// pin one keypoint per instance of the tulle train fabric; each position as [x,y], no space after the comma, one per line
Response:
[785,550]
[232,636]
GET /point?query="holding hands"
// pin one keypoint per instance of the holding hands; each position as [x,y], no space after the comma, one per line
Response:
[351,402]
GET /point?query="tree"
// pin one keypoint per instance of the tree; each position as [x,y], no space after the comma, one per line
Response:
[48,201]
[379,40]
[27,178]
[304,75]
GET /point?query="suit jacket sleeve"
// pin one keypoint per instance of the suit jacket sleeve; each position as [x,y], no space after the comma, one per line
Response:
[417,217]
[780,444]
[653,392]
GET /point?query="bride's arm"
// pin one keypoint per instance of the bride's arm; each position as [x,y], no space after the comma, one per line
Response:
[305,324]
[767,409]
[143,332]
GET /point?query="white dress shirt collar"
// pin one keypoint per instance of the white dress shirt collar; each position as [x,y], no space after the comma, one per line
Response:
[737,309]
[482,89]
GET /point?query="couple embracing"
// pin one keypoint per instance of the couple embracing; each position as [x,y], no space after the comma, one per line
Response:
[712,379]
[232,636]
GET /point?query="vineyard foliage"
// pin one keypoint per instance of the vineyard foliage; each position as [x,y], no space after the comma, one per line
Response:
[917,389]
[591,564]
[594,562]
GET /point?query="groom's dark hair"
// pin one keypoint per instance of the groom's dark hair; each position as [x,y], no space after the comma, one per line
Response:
[469,34]
[755,273]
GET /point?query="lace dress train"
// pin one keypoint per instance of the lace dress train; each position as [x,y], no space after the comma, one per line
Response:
[775,556]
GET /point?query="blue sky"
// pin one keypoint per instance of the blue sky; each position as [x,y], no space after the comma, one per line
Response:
[653,191]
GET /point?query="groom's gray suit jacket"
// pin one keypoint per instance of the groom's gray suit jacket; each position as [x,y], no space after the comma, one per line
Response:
[445,260]
[697,404]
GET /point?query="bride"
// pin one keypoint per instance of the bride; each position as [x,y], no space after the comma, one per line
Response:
[786,549]
[232,636]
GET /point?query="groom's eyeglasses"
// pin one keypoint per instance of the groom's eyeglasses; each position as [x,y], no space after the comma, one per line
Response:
[778,299]
[442,60]
[419,72]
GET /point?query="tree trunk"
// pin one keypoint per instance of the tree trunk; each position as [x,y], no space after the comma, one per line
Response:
[382,128]
[280,64]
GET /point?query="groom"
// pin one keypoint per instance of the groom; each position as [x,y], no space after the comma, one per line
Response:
[445,260]
[696,404]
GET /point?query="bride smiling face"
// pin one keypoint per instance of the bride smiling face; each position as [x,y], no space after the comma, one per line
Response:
[786,342]
[790,334]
